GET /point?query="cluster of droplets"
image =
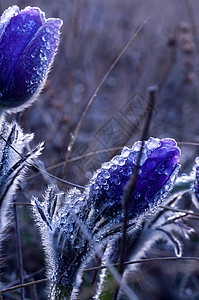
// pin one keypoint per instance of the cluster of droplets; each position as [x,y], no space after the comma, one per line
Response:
[74,211]
[123,164]
[156,174]
[40,54]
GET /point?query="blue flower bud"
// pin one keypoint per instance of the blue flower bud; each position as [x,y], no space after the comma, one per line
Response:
[156,175]
[28,43]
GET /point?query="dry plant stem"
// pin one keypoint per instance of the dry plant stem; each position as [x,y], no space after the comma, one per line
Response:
[146,260]
[37,168]
[28,277]
[19,249]
[80,157]
[189,143]
[16,287]
[179,210]
[74,136]
[130,185]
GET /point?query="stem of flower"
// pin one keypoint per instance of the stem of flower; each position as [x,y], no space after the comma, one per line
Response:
[19,250]
[130,184]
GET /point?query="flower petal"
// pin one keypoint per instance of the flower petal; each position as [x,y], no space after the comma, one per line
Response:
[158,165]
[27,48]
[18,33]
[6,17]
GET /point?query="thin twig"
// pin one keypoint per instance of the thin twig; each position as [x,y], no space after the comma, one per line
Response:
[37,168]
[29,276]
[76,131]
[146,260]
[16,287]
[74,159]
[86,155]
[189,143]
[131,183]
[179,210]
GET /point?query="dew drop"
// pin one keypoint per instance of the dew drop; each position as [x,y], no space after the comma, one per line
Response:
[125,152]
[96,186]
[153,143]
[105,174]
[106,187]
[121,161]
[113,167]
[106,165]
[137,146]
[133,156]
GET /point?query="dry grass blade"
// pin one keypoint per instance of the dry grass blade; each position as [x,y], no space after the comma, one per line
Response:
[179,210]
[16,287]
[74,136]
[146,260]
[130,184]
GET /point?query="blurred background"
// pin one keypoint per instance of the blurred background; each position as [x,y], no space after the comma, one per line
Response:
[164,53]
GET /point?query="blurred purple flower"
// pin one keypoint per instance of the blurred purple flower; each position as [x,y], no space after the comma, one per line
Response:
[28,43]
[157,173]
[196,183]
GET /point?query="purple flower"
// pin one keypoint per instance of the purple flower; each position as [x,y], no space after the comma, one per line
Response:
[28,43]
[196,183]
[157,172]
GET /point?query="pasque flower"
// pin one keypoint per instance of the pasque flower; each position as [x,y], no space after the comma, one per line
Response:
[196,182]
[78,225]
[28,43]
[157,171]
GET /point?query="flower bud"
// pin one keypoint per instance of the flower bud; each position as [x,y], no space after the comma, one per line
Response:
[28,43]
[156,175]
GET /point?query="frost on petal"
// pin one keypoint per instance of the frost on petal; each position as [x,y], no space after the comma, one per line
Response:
[156,175]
